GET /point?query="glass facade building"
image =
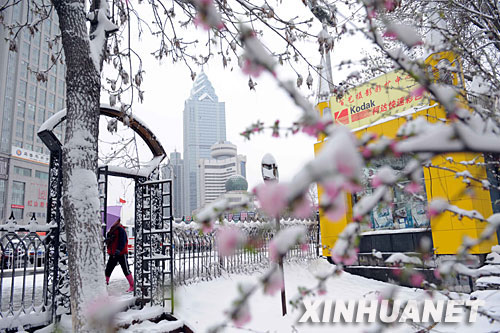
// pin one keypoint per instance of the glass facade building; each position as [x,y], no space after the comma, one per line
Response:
[174,170]
[204,125]
[25,103]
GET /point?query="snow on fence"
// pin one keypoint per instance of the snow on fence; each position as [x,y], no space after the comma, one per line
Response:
[196,256]
[25,279]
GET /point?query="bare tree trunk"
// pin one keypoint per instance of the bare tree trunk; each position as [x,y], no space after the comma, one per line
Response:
[80,192]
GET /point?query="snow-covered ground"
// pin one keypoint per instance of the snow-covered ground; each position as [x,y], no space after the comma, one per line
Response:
[202,305]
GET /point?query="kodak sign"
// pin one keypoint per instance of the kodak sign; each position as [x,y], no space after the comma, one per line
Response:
[386,95]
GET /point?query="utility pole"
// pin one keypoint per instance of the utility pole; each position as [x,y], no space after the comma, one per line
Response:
[270,174]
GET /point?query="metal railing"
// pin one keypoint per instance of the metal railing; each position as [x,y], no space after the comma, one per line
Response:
[25,279]
[196,256]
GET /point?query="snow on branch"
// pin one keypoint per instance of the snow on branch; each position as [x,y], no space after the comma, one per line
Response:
[103,28]
[473,134]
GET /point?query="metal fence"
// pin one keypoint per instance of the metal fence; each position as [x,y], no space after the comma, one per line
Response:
[30,274]
[196,256]
[26,282]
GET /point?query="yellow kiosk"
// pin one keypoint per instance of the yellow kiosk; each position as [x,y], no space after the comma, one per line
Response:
[380,106]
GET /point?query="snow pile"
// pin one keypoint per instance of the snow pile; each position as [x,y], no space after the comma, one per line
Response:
[150,327]
[398,258]
[490,272]
[493,258]
[134,315]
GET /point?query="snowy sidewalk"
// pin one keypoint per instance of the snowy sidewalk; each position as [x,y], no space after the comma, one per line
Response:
[202,305]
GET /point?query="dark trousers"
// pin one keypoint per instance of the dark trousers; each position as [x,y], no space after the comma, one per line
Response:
[113,260]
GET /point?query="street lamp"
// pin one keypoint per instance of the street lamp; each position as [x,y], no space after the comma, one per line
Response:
[270,174]
[269,168]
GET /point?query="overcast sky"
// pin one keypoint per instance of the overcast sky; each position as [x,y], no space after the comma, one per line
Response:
[168,85]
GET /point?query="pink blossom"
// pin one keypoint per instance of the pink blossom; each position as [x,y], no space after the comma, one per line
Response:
[198,21]
[344,168]
[418,91]
[228,238]
[242,316]
[351,187]
[390,34]
[276,134]
[304,247]
[274,254]
[336,258]
[435,208]
[394,149]
[208,16]
[350,260]
[367,153]
[437,274]
[331,189]
[372,14]
[336,212]
[100,308]
[416,279]
[389,5]
[321,291]
[207,227]
[252,68]
[274,282]
[314,129]
[272,197]
[357,218]
[397,271]
[413,187]
[347,259]
[303,209]
[376,181]
[433,212]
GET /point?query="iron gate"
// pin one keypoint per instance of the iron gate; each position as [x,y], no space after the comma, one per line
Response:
[153,256]
[102,186]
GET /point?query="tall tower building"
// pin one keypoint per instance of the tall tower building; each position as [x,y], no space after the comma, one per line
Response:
[175,170]
[25,103]
[204,125]
[214,172]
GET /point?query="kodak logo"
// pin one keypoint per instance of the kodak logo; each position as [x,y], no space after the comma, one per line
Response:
[365,106]
[342,116]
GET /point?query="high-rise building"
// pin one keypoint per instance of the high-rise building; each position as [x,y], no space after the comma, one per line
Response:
[214,172]
[175,170]
[25,103]
[204,125]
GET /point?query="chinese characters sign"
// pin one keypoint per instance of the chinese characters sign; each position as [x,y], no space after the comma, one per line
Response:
[30,155]
[386,95]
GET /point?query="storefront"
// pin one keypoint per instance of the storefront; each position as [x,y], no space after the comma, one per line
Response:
[380,106]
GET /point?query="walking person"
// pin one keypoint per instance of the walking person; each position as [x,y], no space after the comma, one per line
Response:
[117,244]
